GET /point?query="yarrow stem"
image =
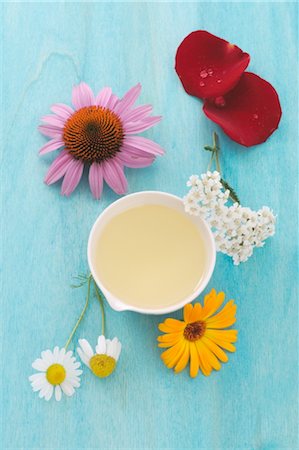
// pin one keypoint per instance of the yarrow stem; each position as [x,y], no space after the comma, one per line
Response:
[215,150]
[87,279]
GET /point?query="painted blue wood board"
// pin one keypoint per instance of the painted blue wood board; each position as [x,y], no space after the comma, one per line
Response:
[252,403]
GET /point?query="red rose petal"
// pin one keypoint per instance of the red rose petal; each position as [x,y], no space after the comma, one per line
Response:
[249,113]
[209,66]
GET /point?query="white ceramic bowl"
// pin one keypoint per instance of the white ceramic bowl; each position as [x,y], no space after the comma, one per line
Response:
[153,198]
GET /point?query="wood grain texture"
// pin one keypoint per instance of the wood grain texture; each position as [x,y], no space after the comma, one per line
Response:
[252,402]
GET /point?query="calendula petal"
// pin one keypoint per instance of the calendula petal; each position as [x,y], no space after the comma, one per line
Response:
[183,361]
[171,353]
[213,361]
[196,313]
[218,352]
[187,312]
[227,315]
[170,362]
[224,344]
[223,335]
[165,328]
[212,303]
[169,337]
[205,366]
[194,360]
[175,324]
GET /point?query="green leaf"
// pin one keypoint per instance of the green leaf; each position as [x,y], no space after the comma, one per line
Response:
[234,197]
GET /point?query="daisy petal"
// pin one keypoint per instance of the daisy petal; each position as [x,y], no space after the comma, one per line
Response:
[37,376]
[67,388]
[128,99]
[58,167]
[62,110]
[84,358]
[143,125]
[114,176]
[103,97]
[49,393]
[101,346]
[86,347]
[117,351]
[144,144]
[58,393]
[40,364]
[96,180]
[72,177]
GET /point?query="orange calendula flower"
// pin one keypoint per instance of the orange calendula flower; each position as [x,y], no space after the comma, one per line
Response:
[201,337]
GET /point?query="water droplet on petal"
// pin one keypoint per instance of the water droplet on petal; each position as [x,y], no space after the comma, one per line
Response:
[219,81]
[203,74]
[201,84]
[219,101]
[210,72]
[255,116]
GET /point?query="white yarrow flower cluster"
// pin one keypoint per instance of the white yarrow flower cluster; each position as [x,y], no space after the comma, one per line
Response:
[237,229]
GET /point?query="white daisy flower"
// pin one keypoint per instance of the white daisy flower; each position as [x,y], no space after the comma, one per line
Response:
[103,362]
[59,372]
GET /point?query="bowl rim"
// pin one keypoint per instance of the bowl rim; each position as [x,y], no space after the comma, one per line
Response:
[119,305]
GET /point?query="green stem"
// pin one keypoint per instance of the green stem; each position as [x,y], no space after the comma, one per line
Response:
[81,315]
[100,298]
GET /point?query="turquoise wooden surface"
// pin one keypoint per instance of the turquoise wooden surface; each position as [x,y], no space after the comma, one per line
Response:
[252,402]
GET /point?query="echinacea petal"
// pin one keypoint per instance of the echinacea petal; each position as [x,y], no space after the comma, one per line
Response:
[96,179]
[248,114]
[145,124]
[143,144]
[114,176]
[72,177]
[128,99]
[62,110]
[103,97]
[209,66]
[137,114]
[52,119]
[135,162]
[58,167]
[51,146]
[82,96]
[50,131]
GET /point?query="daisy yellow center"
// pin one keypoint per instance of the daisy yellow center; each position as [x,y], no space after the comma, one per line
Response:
[102,365]
[56,374]
[195,330]
[93,134]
